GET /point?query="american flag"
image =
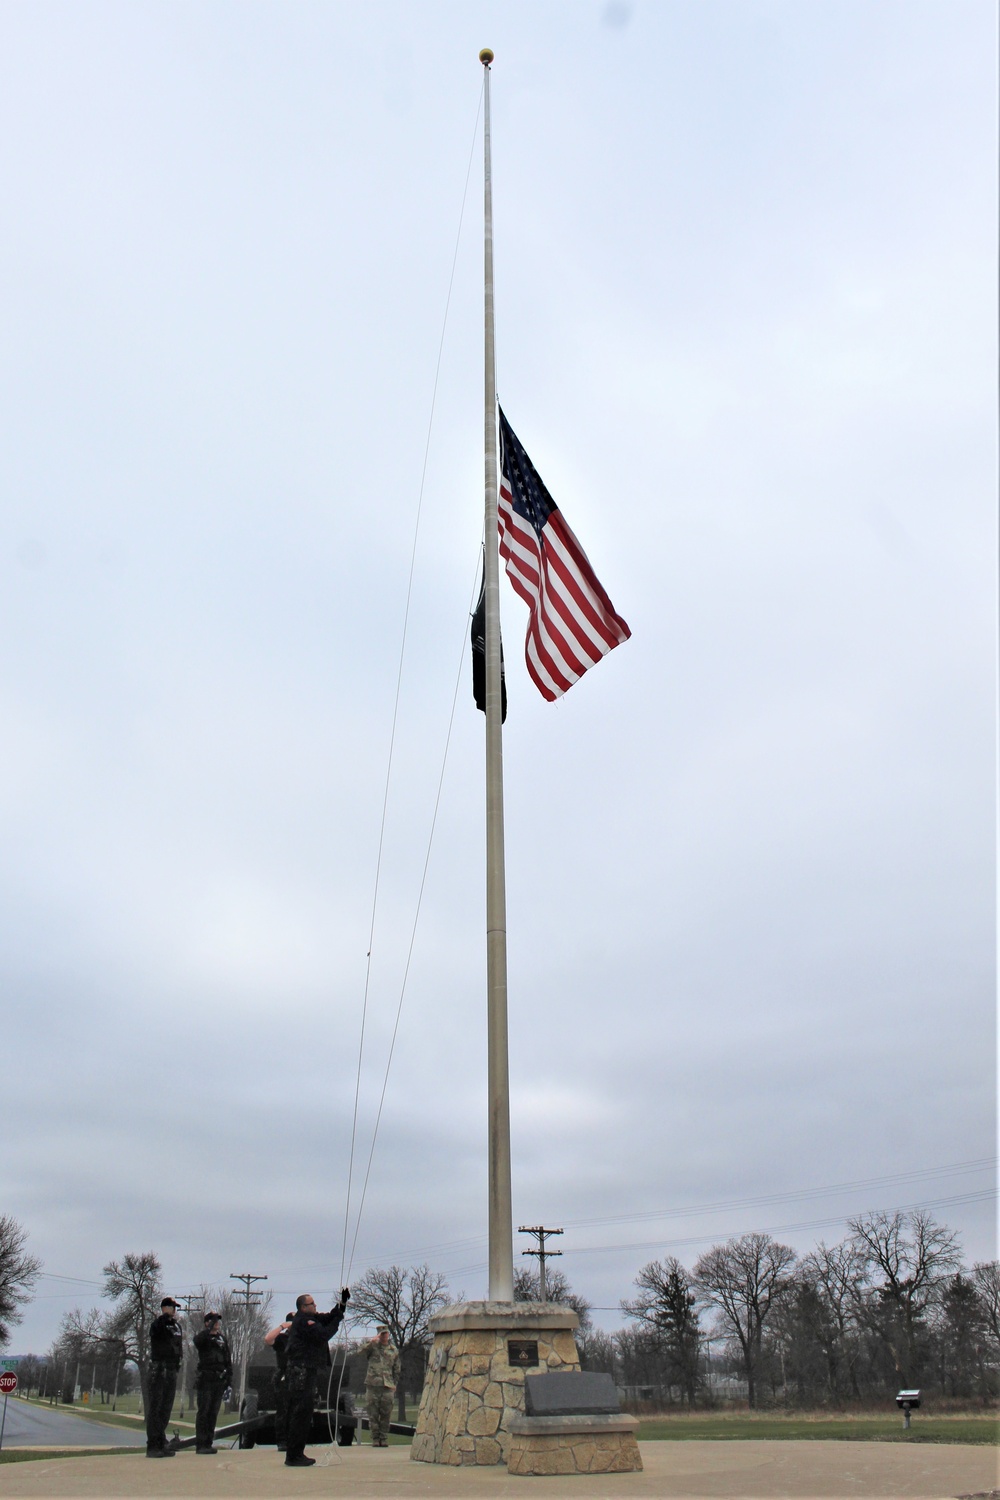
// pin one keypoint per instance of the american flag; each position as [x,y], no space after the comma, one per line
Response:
[572,623]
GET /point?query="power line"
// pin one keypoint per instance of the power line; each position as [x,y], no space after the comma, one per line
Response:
[471,1268]
[476,1267]
[985,1196]
[767,1200]
[470,1242]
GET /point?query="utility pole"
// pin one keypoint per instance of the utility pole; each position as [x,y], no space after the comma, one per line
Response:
[185,1303]
[119,1361]
[541,1235]
[249,1300]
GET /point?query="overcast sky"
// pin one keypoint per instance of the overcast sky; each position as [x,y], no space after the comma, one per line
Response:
[746,307]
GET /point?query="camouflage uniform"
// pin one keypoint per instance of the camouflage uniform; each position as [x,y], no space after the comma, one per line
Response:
[380,1387]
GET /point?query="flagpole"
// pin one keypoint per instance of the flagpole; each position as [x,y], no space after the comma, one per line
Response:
[501,1227]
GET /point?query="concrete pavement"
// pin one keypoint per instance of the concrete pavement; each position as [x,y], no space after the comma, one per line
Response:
[673,1471]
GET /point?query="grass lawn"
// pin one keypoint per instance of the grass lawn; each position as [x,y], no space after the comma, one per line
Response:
[877,1427]
[24,1456]
[865,1427]
[126,1402]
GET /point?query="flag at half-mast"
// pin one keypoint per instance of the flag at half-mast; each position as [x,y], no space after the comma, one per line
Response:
[572,622]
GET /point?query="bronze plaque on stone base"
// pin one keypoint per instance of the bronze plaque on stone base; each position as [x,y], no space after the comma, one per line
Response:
[522,1353]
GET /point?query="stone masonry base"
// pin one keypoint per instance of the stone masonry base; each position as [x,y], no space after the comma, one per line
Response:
[573,1445]
[471,1391]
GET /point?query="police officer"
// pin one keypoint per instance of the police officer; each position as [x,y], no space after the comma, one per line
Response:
[306,1354]
[277,1339]
[381,1380]
[166,1349]
[215,1372]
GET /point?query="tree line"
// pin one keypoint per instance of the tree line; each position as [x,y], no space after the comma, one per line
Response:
[891,1306]
[106,1350]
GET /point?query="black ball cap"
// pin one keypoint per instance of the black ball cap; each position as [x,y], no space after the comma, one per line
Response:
[168,1302]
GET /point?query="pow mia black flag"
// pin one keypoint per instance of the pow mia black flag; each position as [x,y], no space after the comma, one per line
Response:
[478,637]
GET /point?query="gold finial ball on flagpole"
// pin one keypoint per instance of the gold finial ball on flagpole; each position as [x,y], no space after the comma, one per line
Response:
[486,57]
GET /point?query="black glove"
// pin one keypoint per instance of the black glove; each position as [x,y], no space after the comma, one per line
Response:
[345,1295]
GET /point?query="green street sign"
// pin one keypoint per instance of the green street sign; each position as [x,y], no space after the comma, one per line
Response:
[10,1363]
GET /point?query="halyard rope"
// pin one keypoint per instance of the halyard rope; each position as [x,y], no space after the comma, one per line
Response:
[345,1260]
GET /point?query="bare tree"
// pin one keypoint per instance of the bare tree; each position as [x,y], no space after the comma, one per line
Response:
[666,1303]
[527,1288]
[30,1373]
[962,1338]
[75,1339]
[597,1351]
[404,1300]
[81,1328]
[244,1326]
[87,1351]
[18,1273]
[133,1284]
[837,1273]
[908,1259]
[744,1279]
[639,1363]
[986,1275]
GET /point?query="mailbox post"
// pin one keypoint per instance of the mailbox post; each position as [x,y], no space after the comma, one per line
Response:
[908,1401]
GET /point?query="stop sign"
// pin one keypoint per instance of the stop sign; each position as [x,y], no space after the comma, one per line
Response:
[8,1382]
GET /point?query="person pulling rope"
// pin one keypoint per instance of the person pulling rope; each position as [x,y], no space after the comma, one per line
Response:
[306,1354]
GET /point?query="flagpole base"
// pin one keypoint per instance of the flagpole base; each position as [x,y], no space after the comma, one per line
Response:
[474,1386]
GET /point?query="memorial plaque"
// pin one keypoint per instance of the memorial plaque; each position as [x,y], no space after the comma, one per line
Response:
[522,1353]
[563,1393]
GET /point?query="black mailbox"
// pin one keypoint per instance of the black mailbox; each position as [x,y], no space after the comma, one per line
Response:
[908,1401]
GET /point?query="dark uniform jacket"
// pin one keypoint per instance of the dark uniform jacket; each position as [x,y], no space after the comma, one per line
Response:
[309,1337]
[213,1354]
[166,1341]
[280,1347]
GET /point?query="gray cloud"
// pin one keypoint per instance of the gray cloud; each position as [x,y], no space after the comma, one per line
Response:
[742,276]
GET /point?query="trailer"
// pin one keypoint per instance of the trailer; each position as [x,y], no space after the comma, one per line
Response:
[334,1417]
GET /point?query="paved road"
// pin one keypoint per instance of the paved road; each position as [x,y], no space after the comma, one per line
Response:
[42,1427]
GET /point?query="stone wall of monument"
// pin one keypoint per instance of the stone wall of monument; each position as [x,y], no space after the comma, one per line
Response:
[472,1391]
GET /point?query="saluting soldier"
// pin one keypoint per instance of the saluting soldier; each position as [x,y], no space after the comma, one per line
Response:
[380,1384]
[215,1372]
[166,1348]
